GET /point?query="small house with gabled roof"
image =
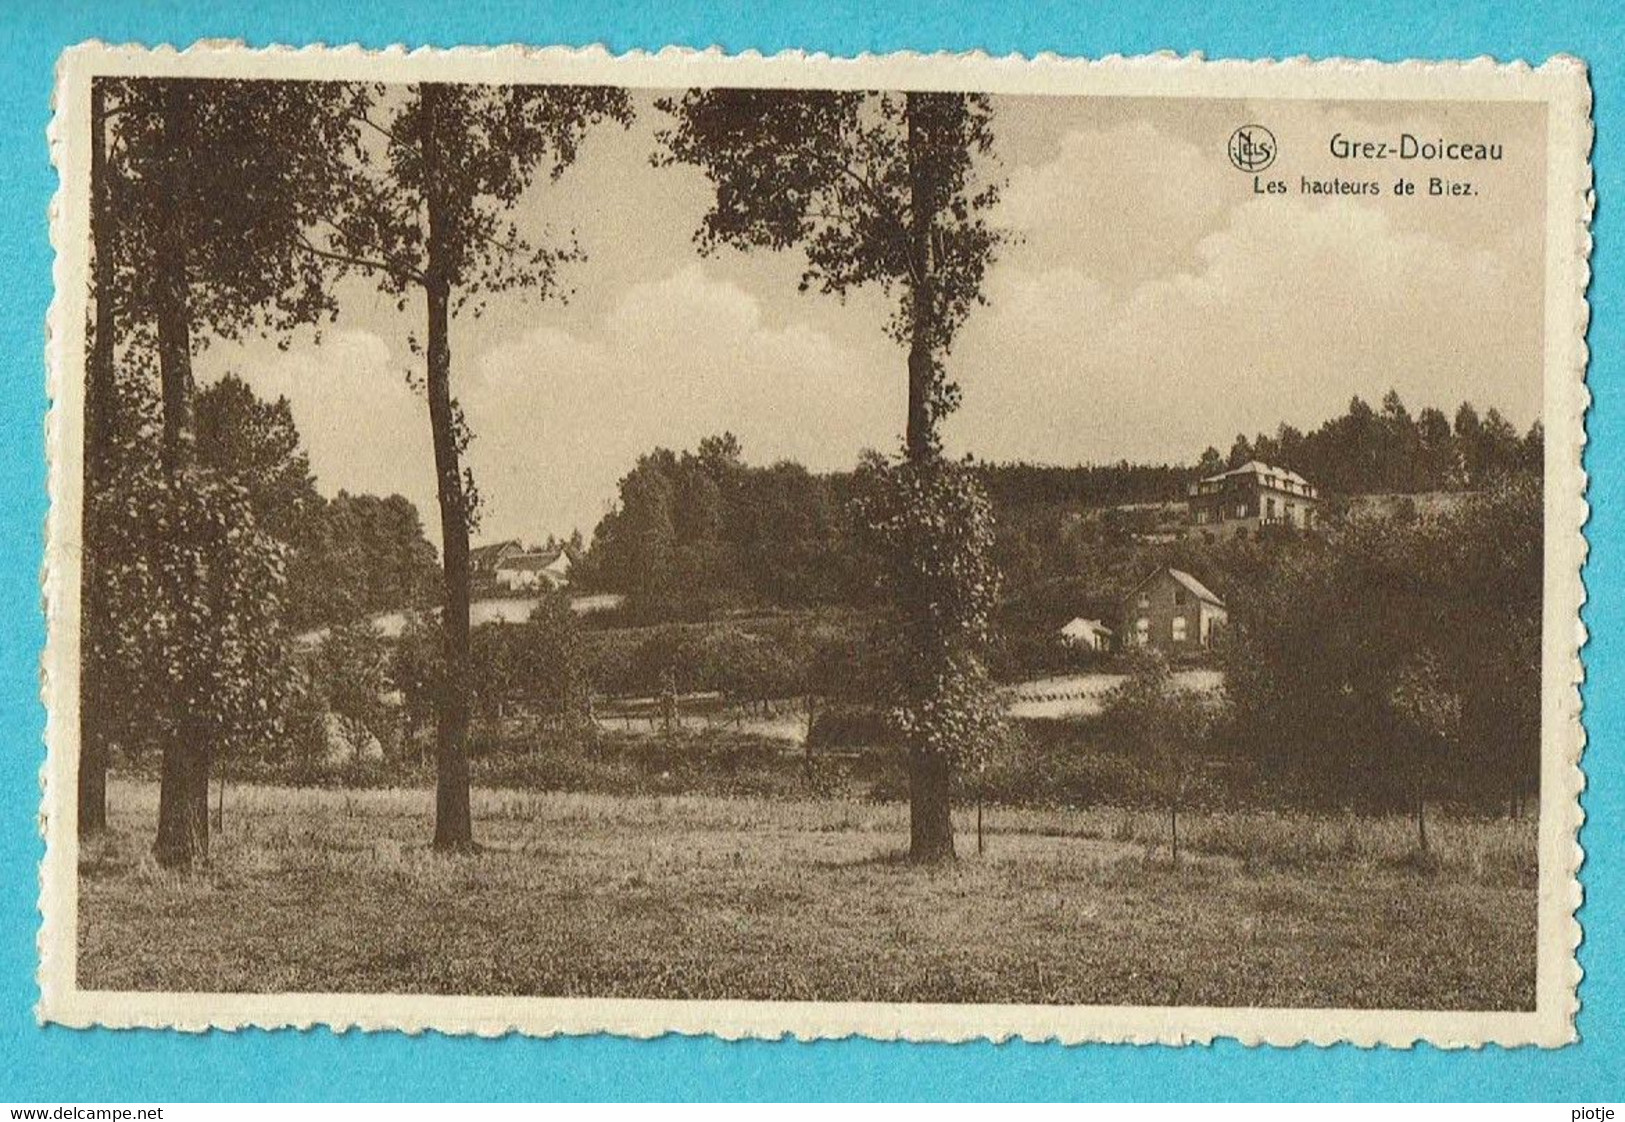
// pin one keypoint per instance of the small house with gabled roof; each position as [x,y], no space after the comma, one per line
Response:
[1171,611]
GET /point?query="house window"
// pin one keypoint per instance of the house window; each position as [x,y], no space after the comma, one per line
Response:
[1179,597]
[1145,599]
[1142,630]
[1241,510]
[1179,629]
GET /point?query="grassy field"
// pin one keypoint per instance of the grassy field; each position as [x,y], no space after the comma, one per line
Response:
[703,897]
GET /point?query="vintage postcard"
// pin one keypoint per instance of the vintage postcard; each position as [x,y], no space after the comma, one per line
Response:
[926,547]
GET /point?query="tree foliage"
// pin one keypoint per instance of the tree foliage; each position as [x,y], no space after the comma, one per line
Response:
[360,555]
[1399,655]
[351,672]
[874,188]
[226,176]
[1369,450]
[538,666]
[256,443]
[1429,712]
[1165,728]
[934,522]
[349,557]
[193,588]
[693,532]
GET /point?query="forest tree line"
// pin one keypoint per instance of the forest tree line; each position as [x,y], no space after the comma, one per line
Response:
[695,532]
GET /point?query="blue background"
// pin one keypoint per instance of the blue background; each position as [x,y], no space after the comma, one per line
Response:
[64,1065]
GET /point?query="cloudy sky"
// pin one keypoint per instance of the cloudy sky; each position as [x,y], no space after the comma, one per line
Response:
[1152,305]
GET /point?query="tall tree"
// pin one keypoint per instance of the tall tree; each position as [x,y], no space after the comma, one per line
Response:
[1469,444]
[1532,455]
[875,189]
[429,214]
[101,425]
[693,531]
[207,185]
[349,557]
[364,554]
[1435,451]
[1503,447]
[1289,441]
[255,443]
[1400,446]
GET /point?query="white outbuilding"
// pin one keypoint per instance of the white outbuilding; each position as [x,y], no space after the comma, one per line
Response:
[1090,634]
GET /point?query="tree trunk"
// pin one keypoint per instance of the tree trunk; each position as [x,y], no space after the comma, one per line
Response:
[92,778]
[1421,821]
[183,797]
[919,438]
[1173,829]
[453,817]
[931,830]
[930,818]
[99,425]
[171,301]
[183,804]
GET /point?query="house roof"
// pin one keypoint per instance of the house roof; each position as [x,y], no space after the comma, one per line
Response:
[1082,626]
[532,562]
[487,556]
[1195,587]
[1259,467]
[1191,584]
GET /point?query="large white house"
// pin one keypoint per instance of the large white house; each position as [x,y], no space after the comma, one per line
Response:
[1245,499]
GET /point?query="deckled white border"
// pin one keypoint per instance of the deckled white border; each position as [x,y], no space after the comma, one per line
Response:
[1560,83]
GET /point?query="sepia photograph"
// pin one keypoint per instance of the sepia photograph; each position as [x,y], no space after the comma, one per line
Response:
[924,547]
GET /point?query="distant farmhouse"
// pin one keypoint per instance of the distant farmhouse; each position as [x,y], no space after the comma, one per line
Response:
[540,570]
[1087,634]
[1171,610]
[510,567]
[1239,502]
[484,559]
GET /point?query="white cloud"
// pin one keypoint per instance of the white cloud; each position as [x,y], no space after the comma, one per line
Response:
[1128,199]
[365,428]
[560,416]
[1290,309]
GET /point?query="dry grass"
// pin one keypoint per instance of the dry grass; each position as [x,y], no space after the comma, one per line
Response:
[703,897]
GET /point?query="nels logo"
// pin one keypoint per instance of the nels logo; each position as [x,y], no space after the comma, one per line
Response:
[1252,148]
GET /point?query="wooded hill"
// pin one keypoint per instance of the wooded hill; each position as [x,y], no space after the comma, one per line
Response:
[695,532]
